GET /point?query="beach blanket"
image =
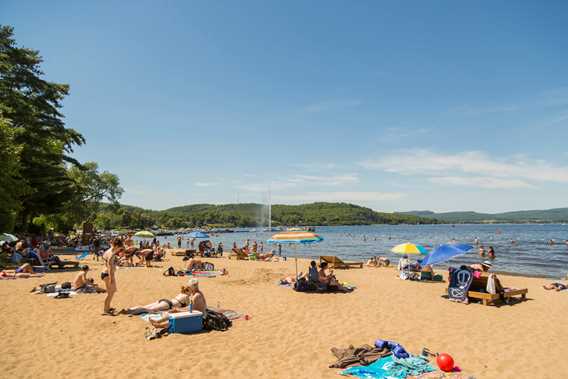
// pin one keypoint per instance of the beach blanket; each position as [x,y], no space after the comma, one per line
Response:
[204,274]
[390,367]
[460,281]
[362,355]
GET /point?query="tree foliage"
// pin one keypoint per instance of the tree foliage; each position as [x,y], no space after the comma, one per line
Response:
[41,184]
[32,106]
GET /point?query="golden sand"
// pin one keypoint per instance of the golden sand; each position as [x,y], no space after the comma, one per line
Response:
[288,335]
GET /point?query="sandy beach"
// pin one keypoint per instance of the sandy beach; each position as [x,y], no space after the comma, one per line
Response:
[288,335]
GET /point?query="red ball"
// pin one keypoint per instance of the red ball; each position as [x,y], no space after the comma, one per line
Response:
[445,362]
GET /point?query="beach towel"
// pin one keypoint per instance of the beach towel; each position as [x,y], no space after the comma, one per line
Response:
[154,316]
[460,281]
[390,367]
[84,255]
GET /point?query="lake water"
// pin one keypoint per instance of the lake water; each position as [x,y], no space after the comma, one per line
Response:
[530,255]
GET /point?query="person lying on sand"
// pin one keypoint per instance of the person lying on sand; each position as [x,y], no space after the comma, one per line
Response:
[24,271]
[555,286]
[180,300]
[197,299]
[83,284]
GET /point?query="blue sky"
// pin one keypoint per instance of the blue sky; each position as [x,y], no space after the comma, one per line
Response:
[438,105]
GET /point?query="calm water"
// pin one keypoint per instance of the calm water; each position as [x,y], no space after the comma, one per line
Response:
[530,255]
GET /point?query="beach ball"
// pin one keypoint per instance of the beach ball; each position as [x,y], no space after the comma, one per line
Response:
[445,362]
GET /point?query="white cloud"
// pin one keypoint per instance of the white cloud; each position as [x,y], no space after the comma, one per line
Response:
[205,184]
[470,163]
[481,182]
[349,197]
[294,181]
[332,105]
[333,180]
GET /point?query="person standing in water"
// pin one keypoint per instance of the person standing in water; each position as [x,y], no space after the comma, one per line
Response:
[108,275]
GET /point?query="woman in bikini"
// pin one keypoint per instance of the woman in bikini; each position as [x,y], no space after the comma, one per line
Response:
[196,298]
[108,275]
[180,301]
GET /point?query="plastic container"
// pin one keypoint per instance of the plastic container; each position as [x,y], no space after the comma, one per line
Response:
[186,322]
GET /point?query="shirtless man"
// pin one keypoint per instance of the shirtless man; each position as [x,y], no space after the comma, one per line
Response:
[108,275]
[84,284]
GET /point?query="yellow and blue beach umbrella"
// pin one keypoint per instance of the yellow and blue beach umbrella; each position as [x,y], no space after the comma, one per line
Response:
[144,234]
[409,248]
[295,237]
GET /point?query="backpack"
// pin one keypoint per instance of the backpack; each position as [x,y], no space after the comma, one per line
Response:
[214,320]
[170,272]
[301,285]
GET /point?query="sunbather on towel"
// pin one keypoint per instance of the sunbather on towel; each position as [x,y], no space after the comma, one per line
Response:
[555,286]
[196,298]
[24,271]
[194,264]
[181,300]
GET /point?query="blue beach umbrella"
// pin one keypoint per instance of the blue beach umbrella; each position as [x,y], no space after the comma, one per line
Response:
[444,253]
[198,234]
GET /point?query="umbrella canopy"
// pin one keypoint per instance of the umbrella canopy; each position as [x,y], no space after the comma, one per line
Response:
[144,234]
[198,234]
[8,237]
[444,253]
[295,237]
[409,248]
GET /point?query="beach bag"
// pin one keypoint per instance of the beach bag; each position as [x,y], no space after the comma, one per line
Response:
[214,320]
[301,285]
[207,266]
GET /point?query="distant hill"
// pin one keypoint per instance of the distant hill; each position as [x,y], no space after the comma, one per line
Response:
[306,214]
[546,216]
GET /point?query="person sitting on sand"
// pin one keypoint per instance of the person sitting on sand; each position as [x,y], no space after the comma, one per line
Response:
[403,263]
[83,284]
[194,264]
[555,286]
[326,279]
[313,275]
[179,301]
[196,298]
[372,262]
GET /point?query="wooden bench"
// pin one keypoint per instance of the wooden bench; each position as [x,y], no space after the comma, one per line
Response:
[478,286]
[488,298]
[336,262]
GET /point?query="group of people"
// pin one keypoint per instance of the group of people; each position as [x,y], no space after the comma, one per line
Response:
[490,253]
[253,250]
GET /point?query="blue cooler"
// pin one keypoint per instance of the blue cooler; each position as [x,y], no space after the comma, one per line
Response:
[186,322]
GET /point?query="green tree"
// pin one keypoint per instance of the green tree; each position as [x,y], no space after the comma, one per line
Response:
[11,186]
[32,106]
[90,188]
